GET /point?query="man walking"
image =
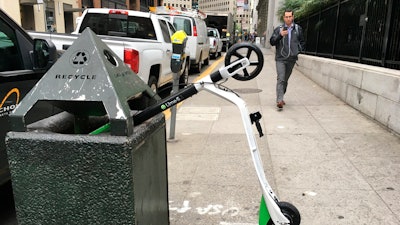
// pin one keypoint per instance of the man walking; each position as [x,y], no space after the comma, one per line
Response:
[288,41]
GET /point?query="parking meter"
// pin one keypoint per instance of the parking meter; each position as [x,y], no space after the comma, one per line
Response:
[178,39]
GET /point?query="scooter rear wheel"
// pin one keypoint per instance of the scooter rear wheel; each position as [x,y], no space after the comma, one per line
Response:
[290,212]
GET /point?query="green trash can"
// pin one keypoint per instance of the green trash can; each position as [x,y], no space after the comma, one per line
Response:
[64,170]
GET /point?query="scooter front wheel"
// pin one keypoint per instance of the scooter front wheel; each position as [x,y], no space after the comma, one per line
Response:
[245,50]
[290,212]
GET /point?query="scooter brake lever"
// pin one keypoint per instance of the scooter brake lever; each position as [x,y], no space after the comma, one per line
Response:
[255,118]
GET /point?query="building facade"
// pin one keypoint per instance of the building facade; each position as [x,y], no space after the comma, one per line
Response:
[262,18]
[40,15]
[243,15]
[60,15]
[179,4]
[217,6]
[243,11]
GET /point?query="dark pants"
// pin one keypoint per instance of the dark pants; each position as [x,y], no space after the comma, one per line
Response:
[284,70]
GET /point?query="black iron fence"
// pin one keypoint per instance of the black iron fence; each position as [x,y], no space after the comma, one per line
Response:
[364,31]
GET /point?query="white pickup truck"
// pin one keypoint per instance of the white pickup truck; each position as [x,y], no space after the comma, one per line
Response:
[142,40]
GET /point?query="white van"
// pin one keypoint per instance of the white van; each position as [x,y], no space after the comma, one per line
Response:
[198,42]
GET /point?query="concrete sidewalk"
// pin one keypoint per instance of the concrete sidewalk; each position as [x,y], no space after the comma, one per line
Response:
[333,163]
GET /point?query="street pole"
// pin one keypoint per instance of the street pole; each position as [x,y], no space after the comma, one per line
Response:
[175,89]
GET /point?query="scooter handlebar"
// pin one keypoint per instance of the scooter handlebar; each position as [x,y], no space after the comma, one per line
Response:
[230,70]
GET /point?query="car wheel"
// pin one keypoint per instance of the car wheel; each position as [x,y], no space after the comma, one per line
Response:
[153,83]
[145,100]
[199,65]
[207,60]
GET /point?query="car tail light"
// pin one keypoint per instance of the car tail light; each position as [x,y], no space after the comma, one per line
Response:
[131,58]
[116,11]
[215,43]
[194,31]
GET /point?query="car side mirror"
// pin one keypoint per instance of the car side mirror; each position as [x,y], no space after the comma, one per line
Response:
[44,54]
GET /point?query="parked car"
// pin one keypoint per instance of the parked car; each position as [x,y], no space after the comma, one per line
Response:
[141,39]
[23,61]
[215,42]
[198,43]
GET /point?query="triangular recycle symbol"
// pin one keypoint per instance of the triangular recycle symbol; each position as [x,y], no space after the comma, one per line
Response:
[89,79]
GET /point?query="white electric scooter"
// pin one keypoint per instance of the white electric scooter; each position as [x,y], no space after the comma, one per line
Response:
[238,66]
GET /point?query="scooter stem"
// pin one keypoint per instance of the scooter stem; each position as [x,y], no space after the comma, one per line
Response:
[269,196]
[208,83]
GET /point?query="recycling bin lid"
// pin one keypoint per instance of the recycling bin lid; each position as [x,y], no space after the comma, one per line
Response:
[89,79]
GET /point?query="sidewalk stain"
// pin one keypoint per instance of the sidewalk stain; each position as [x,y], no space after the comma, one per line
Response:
[167,113]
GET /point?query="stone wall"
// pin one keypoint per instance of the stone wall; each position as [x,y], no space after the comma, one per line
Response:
[375,91]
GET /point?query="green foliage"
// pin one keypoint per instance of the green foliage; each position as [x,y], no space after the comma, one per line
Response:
[302,8]
[295,5]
